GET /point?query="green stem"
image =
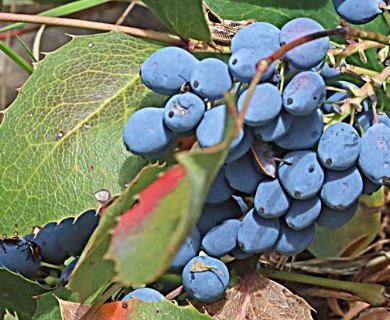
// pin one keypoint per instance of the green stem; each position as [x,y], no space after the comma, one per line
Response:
[16,58]
[374,294]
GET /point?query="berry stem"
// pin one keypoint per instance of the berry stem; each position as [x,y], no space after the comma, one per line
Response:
[83,24]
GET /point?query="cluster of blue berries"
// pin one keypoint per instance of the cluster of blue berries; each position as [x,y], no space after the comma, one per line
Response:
[52,244]
[294,173]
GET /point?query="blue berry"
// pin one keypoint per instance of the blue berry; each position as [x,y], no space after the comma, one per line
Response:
[51,251]
[67,272]
[270,199]
[276,129]
[209,281]
[242,148]
[242,174]
[264,106]
[18,256]
[221,239]
[301,175]
[214,214]
[144,294]
[303,213]
[356,11]
[292,242]
[242,63]
[257,234]
[333,219]
[183,112]
[311,125]
[256,34]
[307,55]
[374,159]
[220,190]
[167,70]
[210,130]
[145,131]
[304,94]
[341,188]
[339,146]
[188,250]
[210,79]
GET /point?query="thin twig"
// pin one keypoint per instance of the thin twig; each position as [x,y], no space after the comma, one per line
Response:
[125,13]
[368,35]
[75,23]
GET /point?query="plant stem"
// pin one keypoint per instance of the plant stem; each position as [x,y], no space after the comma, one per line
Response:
[368,35]
[374,294]
[354,70]
[346,51]
[75,23]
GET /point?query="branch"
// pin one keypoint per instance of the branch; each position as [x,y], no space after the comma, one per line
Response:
[83,24]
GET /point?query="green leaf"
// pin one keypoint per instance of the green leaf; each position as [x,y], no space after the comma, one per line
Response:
[61,140]
[366,222]
[17,294]
[140,310]
[277,12]
[185,17]
[93,272]
[48,307]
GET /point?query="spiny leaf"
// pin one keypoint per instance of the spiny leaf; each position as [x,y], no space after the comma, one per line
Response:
[185,17]
[17,294]
[61,140]
[133,309]
[48,307]
[93,273]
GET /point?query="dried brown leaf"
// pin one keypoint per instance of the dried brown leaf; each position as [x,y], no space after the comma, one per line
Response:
[257,297]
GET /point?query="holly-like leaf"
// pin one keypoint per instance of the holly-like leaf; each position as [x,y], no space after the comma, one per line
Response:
[366,223]
[93,273]
[186,17]
[133,309]
[61,140]
[48,307]
[257,297]
[277,12]
[17,294]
